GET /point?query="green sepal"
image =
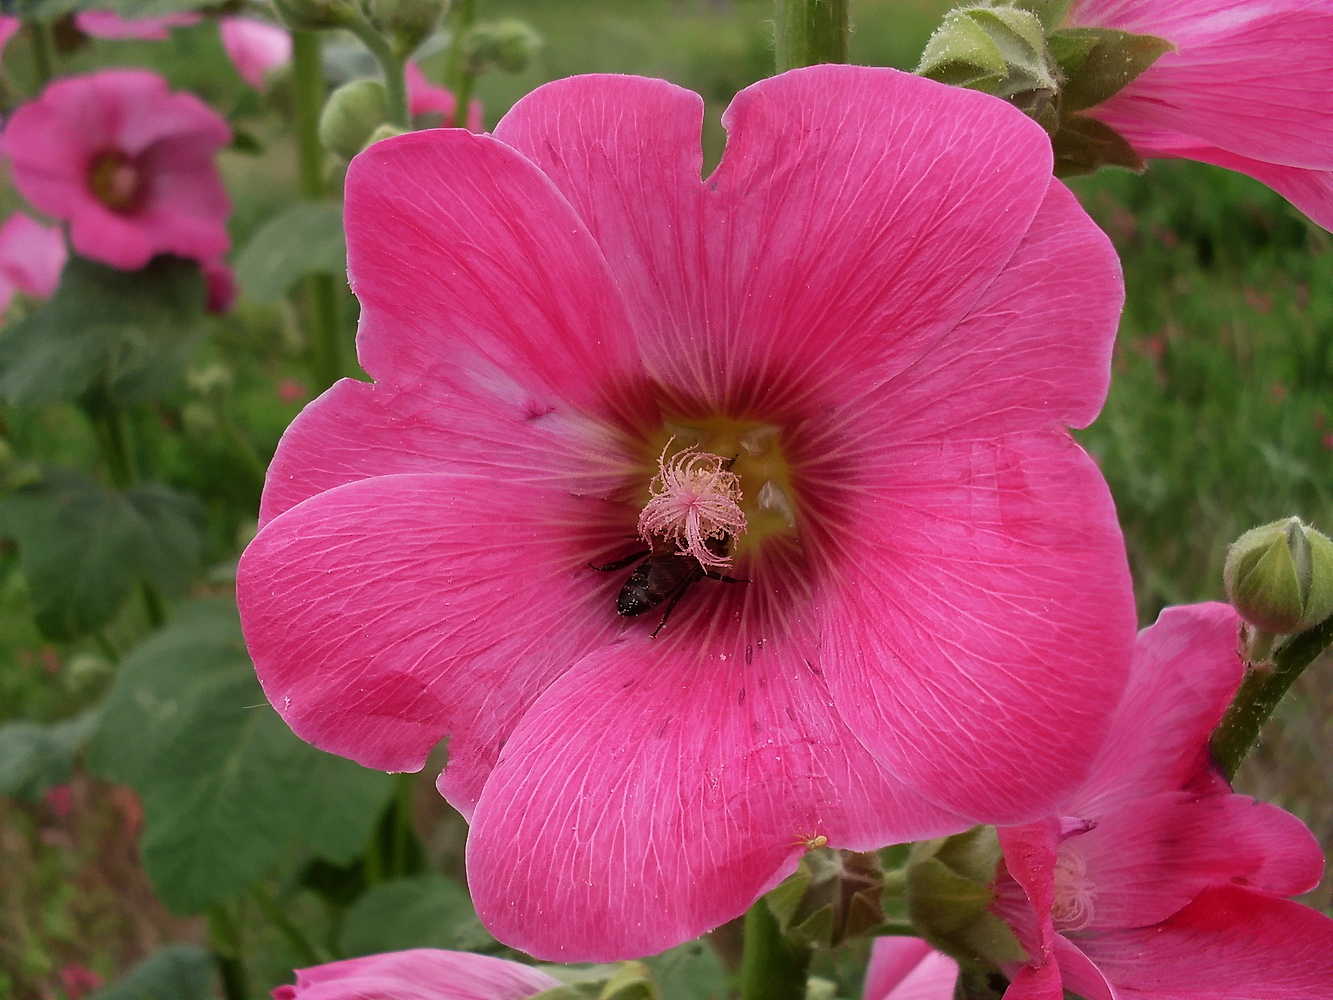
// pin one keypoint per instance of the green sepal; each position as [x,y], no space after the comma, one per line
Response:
[998,50]
[1098,63]
[1084,145]
[1280,576]
[832,897]
[626,981]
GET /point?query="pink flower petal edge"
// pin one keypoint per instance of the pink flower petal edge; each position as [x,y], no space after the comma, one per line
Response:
[907,968]
[418,974]
[109,24]
[255,47]
[31,258]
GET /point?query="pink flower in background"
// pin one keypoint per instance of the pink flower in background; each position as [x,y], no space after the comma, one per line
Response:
[1246,88]
[425,98]
[9,27]
[78,980]
[878,313]
[127,162]
[109,24]
[255,47]
[906,968]
[31,258]
[60,800]
[1155,881]
[220,284]
[419,974]
[292,390]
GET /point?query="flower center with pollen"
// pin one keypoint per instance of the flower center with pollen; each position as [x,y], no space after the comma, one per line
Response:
[116,181]
[1075,894]
[722,486]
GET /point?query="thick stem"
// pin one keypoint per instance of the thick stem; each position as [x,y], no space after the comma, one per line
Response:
[224,941]
[810,32]
[456,75]
[43,52]
[773,967]
[393,64]
[113,441]
[1260,693]
[326,364]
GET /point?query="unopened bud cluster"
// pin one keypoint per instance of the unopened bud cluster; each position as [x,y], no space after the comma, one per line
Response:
[1280,576]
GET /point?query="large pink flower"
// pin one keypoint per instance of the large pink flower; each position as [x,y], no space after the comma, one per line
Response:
[906,968]
[109,24]
[31,258]
[127,162]
[255,47]
[875,316]
[1155,881]
[1247,88]
[419,974]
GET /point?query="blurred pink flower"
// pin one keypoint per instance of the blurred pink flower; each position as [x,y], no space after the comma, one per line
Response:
[220,283]
[1155,880]
[79,980]
[256,47]
[9,27]
[419,974]
[906,968]
[292,390]
[109,24]
[31,258]
[60,800]
[128,163]
[1246,88]
[880,310]
[424,98]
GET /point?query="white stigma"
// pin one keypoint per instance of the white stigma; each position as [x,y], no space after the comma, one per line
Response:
[695,498]
[1075,894]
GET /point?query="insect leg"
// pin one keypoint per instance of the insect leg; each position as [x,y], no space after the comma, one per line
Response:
[724,579]
[671,606]
[611,567]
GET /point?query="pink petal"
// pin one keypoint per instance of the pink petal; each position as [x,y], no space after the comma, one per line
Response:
[31,255]
[9,27]
[461,280]
[817,246]
[255,47]
[1185,671]
[1150,857]
[1227,944]
[979,617]
[1078,974]
[390,613]
[1030,854]
[419,974]
[1036,983]
[424,97]
[675,786]
[906,968]
[109,24]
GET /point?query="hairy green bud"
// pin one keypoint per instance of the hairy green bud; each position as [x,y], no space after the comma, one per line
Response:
[508,45]
[351,115]
[1280,576]
[833,896]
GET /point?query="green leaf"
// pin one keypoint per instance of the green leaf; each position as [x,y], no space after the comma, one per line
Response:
[34,757]
[305,239]
[229,793]
[180,972]
[691,971]
[1083,145]
[126,334]
[84,546]
[1098,63]
[429,911]
[50,10]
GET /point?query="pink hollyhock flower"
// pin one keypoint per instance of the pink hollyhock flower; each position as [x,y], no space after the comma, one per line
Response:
[9,27]
[31,258]
[220,285]
[906,968]
[424,98]
[1246,88]
[1155,881]
[419,974]
[78,980]
[60,800]
[109,24]
[255,47]
[877,314]
[127,162]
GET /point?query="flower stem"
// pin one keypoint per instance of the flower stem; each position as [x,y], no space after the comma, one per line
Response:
[306,952]
[326,365]
[224,941]
[456,75]
[773,967]
[43,52]
[393,63]
[810,32]
[1261,691]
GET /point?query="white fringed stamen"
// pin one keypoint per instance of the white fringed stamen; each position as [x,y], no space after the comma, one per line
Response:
[694,498]
[1075,895]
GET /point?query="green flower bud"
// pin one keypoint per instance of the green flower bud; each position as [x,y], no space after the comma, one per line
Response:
[351,115]
[1280,576]
[832,896]
[314,15]
[1000,50]
[949,894]
[409,21]
[508,45]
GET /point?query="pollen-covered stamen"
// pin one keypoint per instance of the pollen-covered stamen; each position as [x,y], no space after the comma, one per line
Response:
[1075,895]
[695,498]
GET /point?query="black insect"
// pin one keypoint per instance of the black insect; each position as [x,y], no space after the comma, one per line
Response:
[662,577]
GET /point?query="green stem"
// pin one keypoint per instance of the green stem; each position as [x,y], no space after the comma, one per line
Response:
[393,63]
[113,441]
[240,444]
[43,52]
[306,952]
[462,17]
[224,941]
[326,363]
[1261,691]
[810,32]
[773,967]
[464,96]
[403,829]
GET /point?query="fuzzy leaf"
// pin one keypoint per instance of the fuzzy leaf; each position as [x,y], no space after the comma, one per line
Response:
[180,972]
[229,793]
[34,757]
[305,239]
[126,334]
[691,971]
[428,911]
[1083,145]
[1098,63]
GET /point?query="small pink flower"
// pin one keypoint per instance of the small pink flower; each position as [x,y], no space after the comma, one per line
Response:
[1246,88]
[906,968]
[878,314]
[31,258]
[220,283]
[426,98]
[9,27]
[419,974]
[255,47]
[79,980]
[1328,441]
[109,24]
[1155,880]
[60,800]
[292,390]
[128,163]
